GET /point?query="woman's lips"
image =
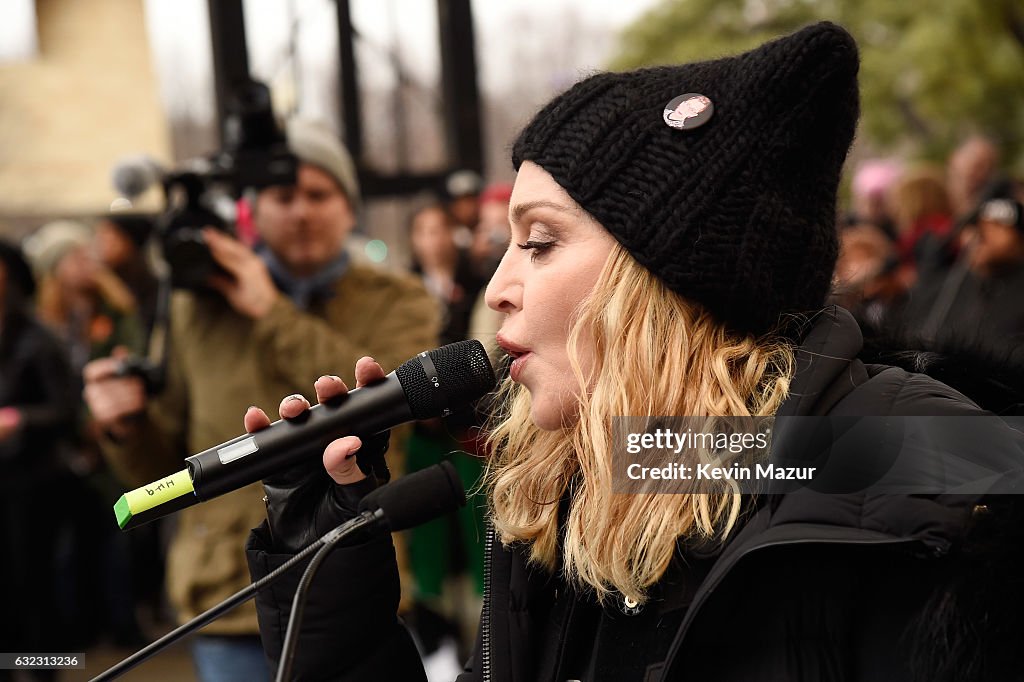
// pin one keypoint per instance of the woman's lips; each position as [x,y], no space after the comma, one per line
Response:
[515,370]
[519,355]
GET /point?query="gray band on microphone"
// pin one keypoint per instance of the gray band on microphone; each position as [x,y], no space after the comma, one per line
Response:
[435,381]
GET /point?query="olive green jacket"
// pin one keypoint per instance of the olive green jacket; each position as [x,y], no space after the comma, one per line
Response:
[221,363]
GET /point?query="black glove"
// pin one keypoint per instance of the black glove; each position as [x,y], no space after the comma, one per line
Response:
[304,502]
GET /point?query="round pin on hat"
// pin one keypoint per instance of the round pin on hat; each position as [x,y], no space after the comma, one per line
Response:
[688,111]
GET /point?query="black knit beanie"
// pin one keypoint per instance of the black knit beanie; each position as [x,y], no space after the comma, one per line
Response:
[729,198]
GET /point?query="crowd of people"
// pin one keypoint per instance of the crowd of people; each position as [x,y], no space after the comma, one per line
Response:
[63,306]
[929,259]
[80,297]
[934,256]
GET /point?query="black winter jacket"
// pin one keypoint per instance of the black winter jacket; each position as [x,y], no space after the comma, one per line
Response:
[812,587]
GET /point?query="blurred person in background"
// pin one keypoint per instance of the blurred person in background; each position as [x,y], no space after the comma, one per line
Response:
[492,233]
[460,194]
[923,214]
[446,270]
[872,184]
[446,549]
[79,297]
[294,308]
[996,248]
[120,240]
[978,301]
[971,167]
[489,244]
[867,281]
[120,244]
[37,413]
[93,312]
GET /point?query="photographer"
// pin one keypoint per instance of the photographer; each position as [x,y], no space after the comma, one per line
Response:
[294,308]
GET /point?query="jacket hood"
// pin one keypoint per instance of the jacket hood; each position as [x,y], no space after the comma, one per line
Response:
[992,377]
[824,356]
[830,382]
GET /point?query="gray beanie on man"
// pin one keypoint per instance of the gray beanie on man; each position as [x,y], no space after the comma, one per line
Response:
[314,143]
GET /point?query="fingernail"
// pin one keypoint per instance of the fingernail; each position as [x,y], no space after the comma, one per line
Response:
[294,396]
[250,408]
[334,377]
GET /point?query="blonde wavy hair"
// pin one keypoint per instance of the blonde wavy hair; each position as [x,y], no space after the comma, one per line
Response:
[654,353]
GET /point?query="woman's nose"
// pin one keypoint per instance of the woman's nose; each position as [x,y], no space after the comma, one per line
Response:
[504,291]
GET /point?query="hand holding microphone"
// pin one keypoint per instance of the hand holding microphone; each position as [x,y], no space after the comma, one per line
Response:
[428,385]
[315,501]
[339,457]
[309,499]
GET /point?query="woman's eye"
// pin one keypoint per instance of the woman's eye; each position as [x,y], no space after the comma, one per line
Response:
[538,248]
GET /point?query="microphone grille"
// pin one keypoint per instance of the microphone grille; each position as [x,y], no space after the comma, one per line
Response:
[437,381]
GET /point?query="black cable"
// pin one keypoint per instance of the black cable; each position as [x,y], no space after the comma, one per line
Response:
[291,637]
[240,597]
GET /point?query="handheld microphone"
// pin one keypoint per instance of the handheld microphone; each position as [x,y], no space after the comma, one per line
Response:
[429,385]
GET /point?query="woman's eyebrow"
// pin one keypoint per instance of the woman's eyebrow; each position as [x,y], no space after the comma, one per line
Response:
[519,210]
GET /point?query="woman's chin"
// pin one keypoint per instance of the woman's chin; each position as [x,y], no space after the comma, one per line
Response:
[546,419]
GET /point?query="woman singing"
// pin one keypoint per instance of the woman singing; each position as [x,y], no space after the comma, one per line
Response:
[663,271]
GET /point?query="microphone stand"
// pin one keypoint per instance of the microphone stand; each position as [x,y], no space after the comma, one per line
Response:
[329,540]
[327,544]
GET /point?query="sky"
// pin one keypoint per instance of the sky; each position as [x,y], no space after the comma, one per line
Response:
[17,30]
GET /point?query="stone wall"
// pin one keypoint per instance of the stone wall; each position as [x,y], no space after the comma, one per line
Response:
[89,98]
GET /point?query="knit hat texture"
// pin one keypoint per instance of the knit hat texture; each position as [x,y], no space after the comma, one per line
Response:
[737,213]
[314,144]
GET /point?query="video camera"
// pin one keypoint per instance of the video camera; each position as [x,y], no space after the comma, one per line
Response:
[254,155]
